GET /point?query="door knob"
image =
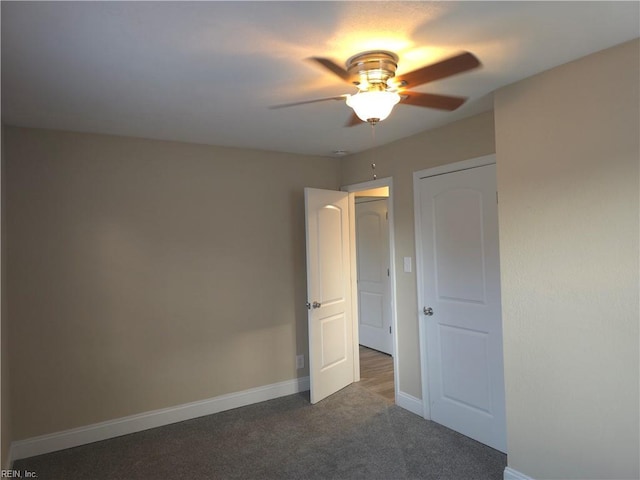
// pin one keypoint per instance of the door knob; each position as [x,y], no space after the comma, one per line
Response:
[316,304]
[428,311]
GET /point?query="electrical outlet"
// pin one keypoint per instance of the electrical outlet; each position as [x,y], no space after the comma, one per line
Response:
[299,361]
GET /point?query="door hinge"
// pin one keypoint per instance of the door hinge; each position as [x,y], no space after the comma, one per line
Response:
[388,272]
[389,329]
[496,197]
[386,215]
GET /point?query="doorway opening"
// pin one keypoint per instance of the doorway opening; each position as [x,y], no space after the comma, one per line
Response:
[376,359]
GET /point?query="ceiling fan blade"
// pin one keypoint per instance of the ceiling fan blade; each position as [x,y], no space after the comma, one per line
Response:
[446,68]
[284,105]
[333,68]
[353,120]
[430,100]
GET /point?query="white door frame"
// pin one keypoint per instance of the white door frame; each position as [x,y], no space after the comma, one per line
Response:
[417,176]
[353,189]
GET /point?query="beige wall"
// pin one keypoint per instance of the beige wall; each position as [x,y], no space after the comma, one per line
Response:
[567,157]
[145,274]
[462,140]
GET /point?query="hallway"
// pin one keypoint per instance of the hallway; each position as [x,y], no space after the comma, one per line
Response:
[376,373]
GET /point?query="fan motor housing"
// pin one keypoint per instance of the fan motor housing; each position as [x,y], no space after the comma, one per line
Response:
[374,68]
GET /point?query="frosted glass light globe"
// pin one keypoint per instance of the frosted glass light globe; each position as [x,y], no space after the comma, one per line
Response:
[373,106]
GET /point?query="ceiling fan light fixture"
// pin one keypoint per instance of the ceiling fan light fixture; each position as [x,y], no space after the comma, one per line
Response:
[373,106]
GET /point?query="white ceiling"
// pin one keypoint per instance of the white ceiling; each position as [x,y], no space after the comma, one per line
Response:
[206,72]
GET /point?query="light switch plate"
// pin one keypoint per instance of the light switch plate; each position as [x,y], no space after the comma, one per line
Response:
[407,264]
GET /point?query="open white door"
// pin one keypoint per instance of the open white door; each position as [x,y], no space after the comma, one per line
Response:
[329,292]
[458,236]
[374,297]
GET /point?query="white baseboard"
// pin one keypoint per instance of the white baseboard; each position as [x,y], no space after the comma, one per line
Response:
[411,403]
[511,474]
[157,418]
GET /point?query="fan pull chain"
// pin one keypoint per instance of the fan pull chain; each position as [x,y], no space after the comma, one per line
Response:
[373,150]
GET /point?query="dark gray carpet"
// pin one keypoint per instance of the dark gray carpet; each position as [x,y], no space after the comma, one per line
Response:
[352,434]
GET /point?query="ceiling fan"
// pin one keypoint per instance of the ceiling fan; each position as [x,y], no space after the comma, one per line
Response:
[379,90]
